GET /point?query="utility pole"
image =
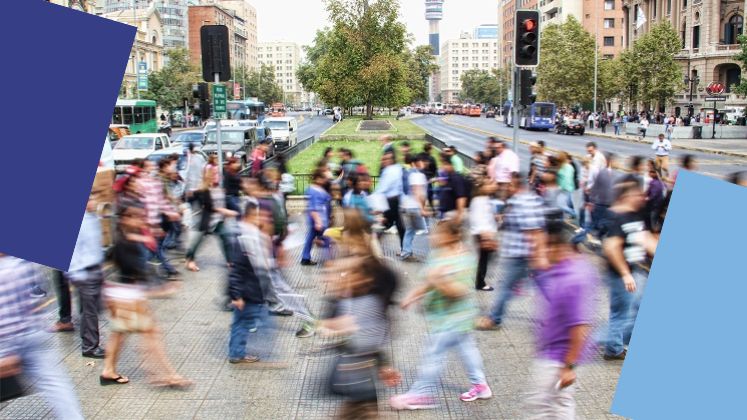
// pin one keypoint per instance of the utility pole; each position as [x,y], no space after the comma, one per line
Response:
[596,54]
[515,109]
[135,67]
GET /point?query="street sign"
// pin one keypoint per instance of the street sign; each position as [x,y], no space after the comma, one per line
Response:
[715,98]
[219,100]
[715,88]
[142,75]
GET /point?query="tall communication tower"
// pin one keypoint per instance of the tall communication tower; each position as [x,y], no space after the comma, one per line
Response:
[434,12]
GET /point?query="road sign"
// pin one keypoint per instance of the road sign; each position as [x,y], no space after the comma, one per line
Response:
[142,75]
[219,100]
[715,98]
[715,88]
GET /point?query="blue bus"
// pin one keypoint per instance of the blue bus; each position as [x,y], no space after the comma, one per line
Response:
[248,109]
[537,116]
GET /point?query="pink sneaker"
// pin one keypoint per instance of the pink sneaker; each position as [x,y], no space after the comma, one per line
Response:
[411,402]
[477,392]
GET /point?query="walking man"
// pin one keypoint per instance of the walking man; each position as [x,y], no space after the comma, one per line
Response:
[661,148]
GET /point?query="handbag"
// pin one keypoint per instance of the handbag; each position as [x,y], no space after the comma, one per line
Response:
[12,387]
[353,376]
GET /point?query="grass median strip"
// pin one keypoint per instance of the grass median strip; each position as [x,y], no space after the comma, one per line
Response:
[349,127]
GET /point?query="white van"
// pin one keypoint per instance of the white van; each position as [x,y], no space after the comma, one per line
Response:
[284,131]
[733,112]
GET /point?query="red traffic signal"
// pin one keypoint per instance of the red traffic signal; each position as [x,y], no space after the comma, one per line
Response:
[526,46]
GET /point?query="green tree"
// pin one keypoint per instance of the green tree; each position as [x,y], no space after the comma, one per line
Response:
[170,85]
[480,86]
[611,81]
[566,68]
[259,84]
[362,58]
[420,65]
[652,70]
[741,88]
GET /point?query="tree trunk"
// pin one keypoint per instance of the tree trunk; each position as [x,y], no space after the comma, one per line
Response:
[369,110]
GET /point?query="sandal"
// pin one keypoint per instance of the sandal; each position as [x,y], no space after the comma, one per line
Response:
[176,382]
[192,266]
[119,380]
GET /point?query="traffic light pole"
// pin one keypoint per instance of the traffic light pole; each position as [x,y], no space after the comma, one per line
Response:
[515,109]
[218,138]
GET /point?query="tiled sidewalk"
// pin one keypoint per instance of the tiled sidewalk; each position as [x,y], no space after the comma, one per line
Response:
[196,334]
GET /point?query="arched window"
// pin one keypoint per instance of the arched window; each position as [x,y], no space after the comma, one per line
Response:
[733,29]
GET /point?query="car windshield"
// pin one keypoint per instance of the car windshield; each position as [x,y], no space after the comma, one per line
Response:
[543,111]
[139,143]
[187,138]
[233,137]
[277,125]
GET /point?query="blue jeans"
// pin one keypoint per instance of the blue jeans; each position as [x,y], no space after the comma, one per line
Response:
[565,203]
[312,234]
[623,311]
[160,255]
[41,368]
[413,222]
[516,270]
[599,219]
[617,130]
[253,315]
[434,360]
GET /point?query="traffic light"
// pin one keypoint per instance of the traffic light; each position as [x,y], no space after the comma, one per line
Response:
[200,91]
[203,108]
[526,46]
[527,82]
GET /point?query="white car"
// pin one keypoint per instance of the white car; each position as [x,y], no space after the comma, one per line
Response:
[137,146]
[107,159]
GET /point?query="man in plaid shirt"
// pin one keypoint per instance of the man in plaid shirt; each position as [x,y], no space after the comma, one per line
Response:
[157,205]
[523,226]
[22,349]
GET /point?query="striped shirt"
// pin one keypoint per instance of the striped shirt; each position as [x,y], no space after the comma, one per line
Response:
[524,212]
[17,316]
[151,189]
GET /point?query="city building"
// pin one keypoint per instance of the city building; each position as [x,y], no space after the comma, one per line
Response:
[173,14]
[708,34]
[599,18]
[210,14]
[88,6]
[458,56]
[148,46]
[434,12]
[284,58]
[245,26]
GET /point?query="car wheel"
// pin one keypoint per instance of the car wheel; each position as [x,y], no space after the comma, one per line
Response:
[581,133]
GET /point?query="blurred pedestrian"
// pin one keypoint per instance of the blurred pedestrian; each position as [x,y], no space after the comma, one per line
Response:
[500,168]
[661,148]
[413,204]
[448,299]
[601,196]
[483,228]
[430,171]
[625,246]
[232,183]
[566,311]
[454,191]
[317,215]
[23,349]
[212,202]
[390,185]
[130,312]
[522,228]
[65,313]
[739,178]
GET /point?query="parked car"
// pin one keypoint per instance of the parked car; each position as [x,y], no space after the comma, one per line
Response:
[137,146]
[185,138]
[571,127]
[328,111]
[490,113]
[235,142]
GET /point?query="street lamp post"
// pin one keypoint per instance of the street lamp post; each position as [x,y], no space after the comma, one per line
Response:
[692,82]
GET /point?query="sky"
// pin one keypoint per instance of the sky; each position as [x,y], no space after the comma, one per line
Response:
[298,20]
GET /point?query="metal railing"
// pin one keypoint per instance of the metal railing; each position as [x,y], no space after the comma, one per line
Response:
[303,181]
[289,153]
[468,160]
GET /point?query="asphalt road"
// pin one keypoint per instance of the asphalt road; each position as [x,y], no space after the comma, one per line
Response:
[311,125]
[471,140]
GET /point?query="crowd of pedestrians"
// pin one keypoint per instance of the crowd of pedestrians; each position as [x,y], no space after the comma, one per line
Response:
[529,219]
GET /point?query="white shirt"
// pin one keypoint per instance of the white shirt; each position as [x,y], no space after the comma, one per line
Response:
[598,162]
[482,215]
[410,201]
[662,148]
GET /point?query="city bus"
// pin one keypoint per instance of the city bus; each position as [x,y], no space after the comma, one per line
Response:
[248,109]
[137,114]
[277,110]
[537,116]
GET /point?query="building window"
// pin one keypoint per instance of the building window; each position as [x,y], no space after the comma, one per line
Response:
[696,36]
[609,4]
[683,33]
[733,29]
[608,56]
[455,72]
[669,7]
[609,23]
[609,41]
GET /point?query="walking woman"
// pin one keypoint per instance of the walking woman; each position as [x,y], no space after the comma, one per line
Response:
[130,312]
[483,227]
[212,201]
[450,309]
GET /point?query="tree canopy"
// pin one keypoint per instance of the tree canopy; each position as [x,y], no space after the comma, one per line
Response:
[259,83]
[170,85]
[363,58]
[566,69]
[483,87]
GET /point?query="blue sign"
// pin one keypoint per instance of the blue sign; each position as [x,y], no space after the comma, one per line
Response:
[142,75]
